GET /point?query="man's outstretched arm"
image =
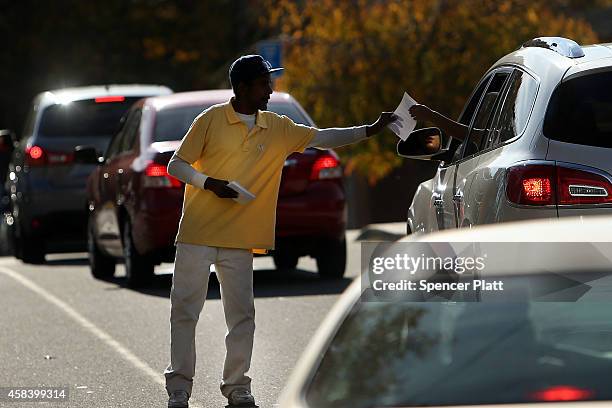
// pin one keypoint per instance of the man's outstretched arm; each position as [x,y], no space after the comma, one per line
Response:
[336,137]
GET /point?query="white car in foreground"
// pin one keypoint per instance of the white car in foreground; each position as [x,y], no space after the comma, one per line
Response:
[546,341]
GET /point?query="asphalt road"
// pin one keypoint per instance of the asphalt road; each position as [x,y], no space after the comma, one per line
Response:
[109,344]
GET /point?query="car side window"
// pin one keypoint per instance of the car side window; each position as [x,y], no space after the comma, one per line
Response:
[115,143]
[466,117]
[131,131]
[482,124]
[516,108]
[125,137]
[113,147]
[470,107]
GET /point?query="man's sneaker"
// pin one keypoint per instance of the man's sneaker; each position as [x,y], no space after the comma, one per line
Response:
[178,399]
[241,397]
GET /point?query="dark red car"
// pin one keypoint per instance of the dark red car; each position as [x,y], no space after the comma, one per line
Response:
[135,206]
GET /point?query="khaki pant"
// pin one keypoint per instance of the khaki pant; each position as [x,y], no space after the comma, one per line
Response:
[234,269]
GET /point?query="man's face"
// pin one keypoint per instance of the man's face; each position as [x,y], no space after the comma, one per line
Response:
[257,92]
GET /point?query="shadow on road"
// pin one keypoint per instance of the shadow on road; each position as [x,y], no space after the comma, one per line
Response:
[267,283]
[67,262]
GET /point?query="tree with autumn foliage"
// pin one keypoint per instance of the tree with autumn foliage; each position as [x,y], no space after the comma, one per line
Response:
[347,60]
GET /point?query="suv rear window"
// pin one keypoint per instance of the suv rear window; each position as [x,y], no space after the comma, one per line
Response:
[580,111]
[83,118]
[173,123]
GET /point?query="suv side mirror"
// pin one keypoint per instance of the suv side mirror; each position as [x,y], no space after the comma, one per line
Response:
[86,155]
[424,144]
[7,141]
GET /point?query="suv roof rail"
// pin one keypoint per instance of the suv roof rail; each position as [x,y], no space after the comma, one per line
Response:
[562,46]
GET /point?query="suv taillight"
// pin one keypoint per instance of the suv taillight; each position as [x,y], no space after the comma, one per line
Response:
[582,187]
[36,156]
[326,167]
[156,176]
[550,184]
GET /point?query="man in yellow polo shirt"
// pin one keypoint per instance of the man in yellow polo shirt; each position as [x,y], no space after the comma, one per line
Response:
[235,141]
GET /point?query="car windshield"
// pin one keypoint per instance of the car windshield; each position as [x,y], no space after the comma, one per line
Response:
[580,111]
[460,353]
[173,123]
[83,118]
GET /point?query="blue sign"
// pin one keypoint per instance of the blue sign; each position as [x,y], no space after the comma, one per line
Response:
[272,51]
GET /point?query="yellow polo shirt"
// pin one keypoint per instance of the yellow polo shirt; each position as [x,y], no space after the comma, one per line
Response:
[219,145]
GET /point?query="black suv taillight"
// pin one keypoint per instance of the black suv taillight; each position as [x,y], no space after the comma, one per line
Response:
[554,183]
[36,156]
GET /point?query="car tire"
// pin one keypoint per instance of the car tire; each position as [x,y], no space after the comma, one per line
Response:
[138,268]
[32,253]
[331,258]
[285,260]
[29,249]
[101,265]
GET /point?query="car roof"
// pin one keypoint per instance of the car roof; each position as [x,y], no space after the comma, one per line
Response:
[64,95]
[203,97]
[542,61]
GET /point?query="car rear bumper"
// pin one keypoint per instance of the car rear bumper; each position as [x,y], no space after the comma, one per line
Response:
[155,221]
[318,212]
[54,215]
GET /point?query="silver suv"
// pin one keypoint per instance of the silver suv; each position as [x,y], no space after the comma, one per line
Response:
[538,143]
[48,205]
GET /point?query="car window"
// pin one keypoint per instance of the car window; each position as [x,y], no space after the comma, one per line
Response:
[516,109]
[114,145]
[481,125]
[173,123]
[117,142]
[86,118]
[455,152]
[289,110]
[392,354]
[131,131]
[580,111]
[468,112]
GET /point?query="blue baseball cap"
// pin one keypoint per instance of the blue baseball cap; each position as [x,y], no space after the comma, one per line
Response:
[249,67]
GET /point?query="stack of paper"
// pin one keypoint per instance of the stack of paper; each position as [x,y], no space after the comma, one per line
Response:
[244,195]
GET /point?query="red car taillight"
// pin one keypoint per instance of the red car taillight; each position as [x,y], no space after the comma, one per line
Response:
[562,393]
[582,187]
[36,156]
[550,184]
[156,175]
[326,167]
